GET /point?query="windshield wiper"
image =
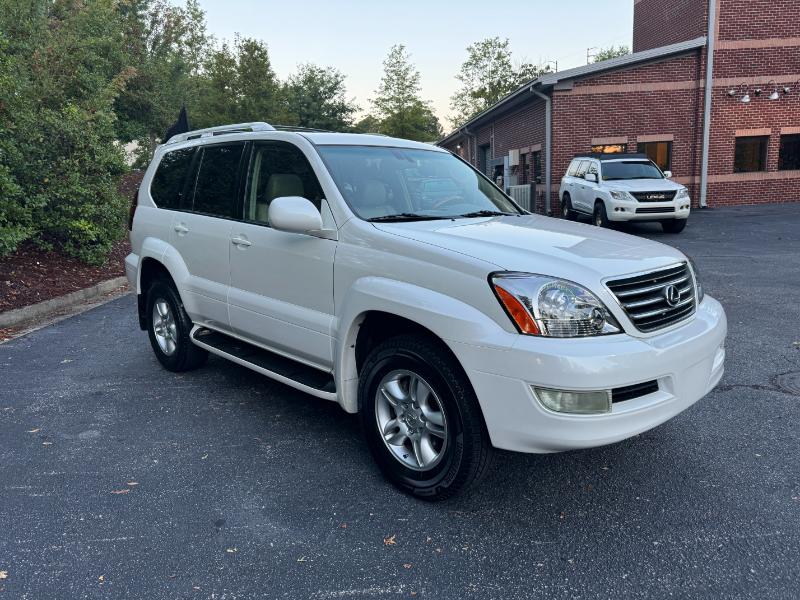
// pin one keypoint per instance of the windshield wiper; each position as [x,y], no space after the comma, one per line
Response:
[406,216]
[485,213]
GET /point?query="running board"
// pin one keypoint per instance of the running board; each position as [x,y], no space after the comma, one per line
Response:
[290,372]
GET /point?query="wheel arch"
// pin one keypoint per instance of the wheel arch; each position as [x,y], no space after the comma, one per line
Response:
[378,308]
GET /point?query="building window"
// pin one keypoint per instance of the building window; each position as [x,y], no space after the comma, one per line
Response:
[523,169]
[610,148]
[751,154]
[790,153]
[537,167]
[659,152]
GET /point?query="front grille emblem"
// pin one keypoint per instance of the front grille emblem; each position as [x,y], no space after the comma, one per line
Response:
[672,295]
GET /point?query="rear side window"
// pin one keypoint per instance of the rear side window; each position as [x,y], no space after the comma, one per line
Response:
[215,191]
[167,185]
[584,166]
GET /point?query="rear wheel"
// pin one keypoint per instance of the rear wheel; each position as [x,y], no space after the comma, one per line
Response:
[600,216]
[566,208]
[674,225]
[169,327]
[421,418]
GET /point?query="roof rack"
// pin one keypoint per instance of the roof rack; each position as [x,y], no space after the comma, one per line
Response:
[220,130]
[613,155]
[300,129]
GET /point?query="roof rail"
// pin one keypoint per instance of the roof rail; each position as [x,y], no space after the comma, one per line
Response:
[220,130]
[613,155]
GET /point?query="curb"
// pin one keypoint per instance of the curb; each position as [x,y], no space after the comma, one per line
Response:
[18,316]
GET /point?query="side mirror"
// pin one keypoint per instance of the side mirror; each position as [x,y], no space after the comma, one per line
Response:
[591,177]
[294,214]
[668,174]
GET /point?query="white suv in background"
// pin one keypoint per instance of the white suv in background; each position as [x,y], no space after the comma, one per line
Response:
[623,187]
[393,278]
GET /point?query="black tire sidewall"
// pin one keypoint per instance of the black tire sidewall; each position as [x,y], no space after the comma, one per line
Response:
[178,360]
[566,207]
[600,210]
[421,483]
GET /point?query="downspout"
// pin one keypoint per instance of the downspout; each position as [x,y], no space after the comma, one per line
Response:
[548,155]
[712,34]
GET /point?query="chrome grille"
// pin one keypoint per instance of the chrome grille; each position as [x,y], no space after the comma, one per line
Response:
[654,196]
[645,297]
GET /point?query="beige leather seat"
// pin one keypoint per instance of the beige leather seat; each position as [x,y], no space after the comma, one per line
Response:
[278,186]
[373,200]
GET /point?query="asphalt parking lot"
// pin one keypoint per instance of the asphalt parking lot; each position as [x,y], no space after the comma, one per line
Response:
[121,480]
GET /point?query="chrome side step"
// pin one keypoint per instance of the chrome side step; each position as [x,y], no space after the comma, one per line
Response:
[290,372]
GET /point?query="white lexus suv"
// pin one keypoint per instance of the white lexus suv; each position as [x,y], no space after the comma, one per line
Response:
[393,278]
[623,187]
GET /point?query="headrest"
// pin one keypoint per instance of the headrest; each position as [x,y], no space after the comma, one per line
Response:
[372,192]
[280,185]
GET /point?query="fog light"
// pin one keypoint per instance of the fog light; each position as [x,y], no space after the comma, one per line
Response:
[586,403]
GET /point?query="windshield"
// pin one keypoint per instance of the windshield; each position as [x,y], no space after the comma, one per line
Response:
[381,183]
[631,169]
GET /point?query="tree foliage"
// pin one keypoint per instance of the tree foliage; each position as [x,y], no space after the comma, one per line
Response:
[487,75]
[398,109]
[61,67]
[317,97]
[611,52]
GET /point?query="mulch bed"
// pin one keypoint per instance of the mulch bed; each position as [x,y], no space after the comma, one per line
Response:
[32,275]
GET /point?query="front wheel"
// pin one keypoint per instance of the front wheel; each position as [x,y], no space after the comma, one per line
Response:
[600,215]
[421,418]
[674,225]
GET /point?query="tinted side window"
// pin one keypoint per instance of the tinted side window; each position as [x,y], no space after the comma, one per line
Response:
[573,168]
[278,169]
[592,168]
[167,185]
[582,168]
[216,185]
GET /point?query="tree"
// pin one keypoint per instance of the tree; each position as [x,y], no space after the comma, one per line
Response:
[316,97]
[62,65]
[166,46]
[486,76]
[397,106]
[611,52]
[238,84]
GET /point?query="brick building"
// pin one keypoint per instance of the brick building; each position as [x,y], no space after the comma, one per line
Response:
[654,101]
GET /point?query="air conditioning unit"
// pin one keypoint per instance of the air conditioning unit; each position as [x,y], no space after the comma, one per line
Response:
[513,158]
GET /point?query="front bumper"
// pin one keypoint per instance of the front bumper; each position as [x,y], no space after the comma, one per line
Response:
[619,210]
[687,362]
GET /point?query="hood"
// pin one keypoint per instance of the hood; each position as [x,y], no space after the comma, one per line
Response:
[643,185]
[544,245]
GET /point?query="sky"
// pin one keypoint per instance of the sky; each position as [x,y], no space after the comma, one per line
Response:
[355,35]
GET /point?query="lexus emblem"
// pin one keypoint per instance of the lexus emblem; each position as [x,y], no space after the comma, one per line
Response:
[672,295]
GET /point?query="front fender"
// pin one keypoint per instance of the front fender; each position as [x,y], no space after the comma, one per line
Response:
[450,319]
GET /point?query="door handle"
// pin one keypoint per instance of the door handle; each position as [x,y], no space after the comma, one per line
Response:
[181,229]
[240,241]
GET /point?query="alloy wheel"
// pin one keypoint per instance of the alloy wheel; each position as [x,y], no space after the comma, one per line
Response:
[164,327]
[411,420]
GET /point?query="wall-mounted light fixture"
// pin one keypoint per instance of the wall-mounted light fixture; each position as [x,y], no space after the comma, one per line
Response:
[745,98]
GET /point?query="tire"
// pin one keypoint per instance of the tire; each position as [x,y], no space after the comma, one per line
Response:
[566,208]
[674,225]
[169,331]
[600,217]
[453,462]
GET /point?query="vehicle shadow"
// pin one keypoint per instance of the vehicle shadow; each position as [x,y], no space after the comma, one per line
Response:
[626,481]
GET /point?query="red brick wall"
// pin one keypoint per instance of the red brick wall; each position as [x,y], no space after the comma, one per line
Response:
[758,19]
[664,22]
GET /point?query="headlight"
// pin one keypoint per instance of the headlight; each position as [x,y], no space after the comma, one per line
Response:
[682,193]
[545,306]
[701,293]
[619,195]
